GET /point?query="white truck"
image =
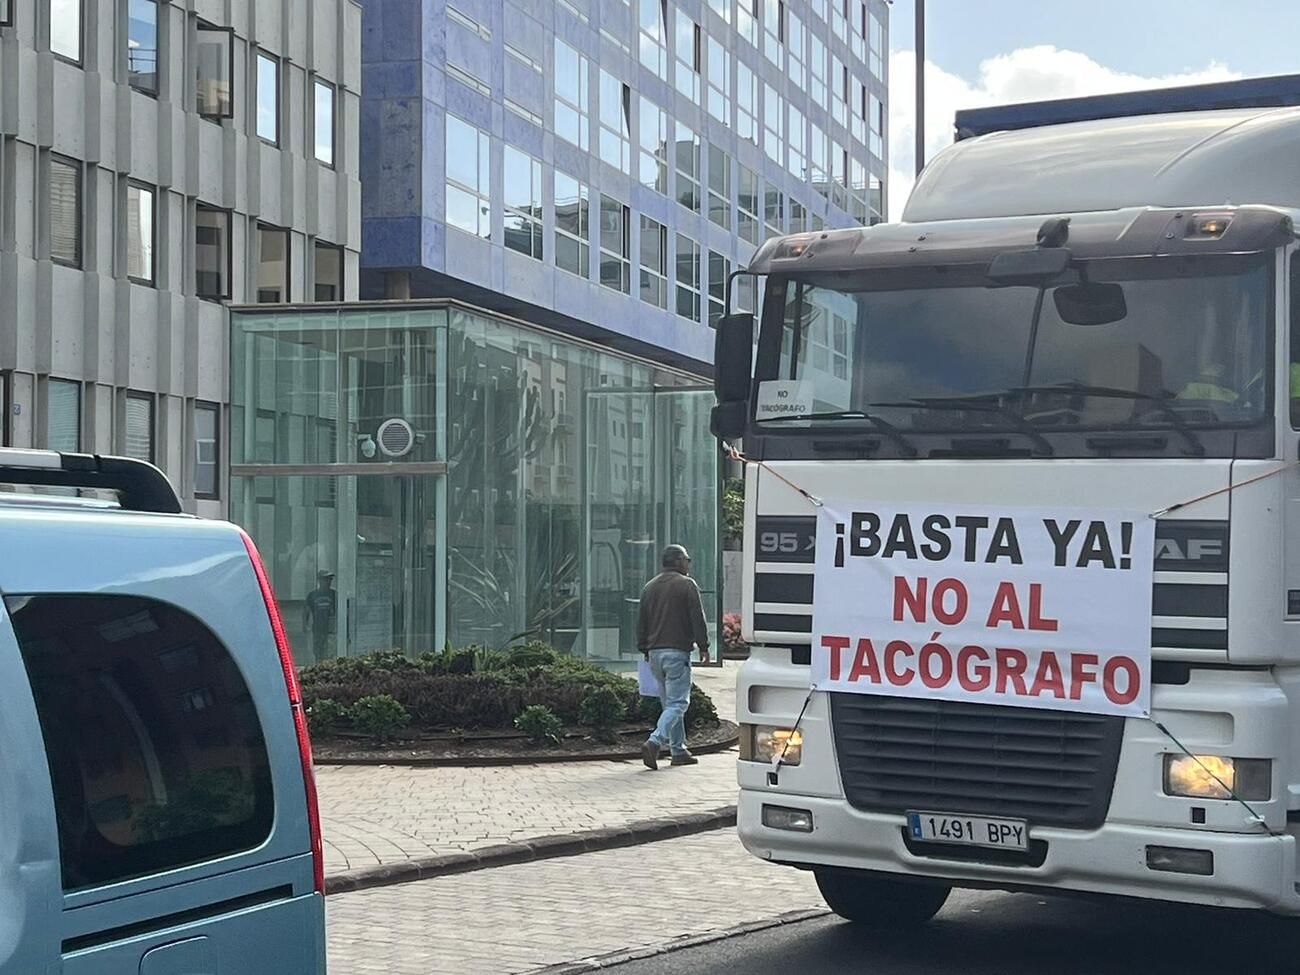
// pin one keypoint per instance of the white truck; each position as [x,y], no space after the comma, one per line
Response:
[1103,310]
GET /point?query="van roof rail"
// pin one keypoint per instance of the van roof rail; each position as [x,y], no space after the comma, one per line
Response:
[139,486]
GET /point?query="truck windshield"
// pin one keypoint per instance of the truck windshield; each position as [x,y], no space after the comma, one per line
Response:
[950,353]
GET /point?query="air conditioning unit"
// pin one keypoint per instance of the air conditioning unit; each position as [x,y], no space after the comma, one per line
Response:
[396,437]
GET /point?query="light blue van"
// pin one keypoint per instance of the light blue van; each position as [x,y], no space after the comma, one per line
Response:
[157,805]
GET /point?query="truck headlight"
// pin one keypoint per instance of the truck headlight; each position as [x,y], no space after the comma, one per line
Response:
[763,743]
[1204,777]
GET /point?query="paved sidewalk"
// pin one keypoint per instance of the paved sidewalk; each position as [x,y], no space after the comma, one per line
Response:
[379,815]
[523,917]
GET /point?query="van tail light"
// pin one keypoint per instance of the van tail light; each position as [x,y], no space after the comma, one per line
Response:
[299,713]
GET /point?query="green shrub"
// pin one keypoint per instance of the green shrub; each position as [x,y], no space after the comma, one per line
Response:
[601,709]
[474,687]
[532,654]
[540,724]
[700,711]
[324,716]
[379,715]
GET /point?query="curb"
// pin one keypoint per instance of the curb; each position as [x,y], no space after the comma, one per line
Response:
[524,851]
[600,962]
[718,746]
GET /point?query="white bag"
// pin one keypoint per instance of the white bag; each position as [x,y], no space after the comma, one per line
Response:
[645,679]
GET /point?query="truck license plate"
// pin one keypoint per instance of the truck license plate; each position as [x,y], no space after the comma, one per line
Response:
[1001,834]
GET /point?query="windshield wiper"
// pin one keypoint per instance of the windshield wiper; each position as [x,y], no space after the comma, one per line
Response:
[979,404]
[888,429]
[1113,392]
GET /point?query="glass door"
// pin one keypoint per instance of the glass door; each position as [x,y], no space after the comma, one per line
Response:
[651,479]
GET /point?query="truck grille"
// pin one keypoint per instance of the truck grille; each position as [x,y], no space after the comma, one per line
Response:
[1052,768]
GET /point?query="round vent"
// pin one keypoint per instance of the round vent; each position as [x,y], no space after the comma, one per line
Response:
[396,437]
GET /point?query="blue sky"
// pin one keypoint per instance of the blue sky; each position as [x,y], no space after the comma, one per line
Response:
[1035,49]
[1146,37]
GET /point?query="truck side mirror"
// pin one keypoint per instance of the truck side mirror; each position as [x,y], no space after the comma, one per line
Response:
[733,348]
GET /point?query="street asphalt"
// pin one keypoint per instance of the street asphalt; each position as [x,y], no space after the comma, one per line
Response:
[1008,934]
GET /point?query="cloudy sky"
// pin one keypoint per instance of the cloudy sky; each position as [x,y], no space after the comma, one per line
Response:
[992,52]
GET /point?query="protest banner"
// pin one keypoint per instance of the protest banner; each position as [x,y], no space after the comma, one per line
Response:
[1031,607]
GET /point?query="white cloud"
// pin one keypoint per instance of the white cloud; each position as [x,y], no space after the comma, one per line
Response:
[1026,74]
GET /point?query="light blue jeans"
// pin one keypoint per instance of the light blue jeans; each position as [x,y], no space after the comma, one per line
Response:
[672,669]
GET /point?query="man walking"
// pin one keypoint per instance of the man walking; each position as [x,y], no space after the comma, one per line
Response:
[670,622]
[318,612]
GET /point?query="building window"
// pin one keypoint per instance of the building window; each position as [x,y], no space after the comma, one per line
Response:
[138,430]
[858,116]
[216,71]
[839,91]
[773,29]
[654,51]
[572,96]
[798,217]
[719,81]
[207,450]
[746,102]
[747,20]
[65,211]
[876,119]
[689,57]
[654,263]
[211,252]
[719,271]
[468,179]
[722,8]
[615,129]
[653,162]
[141,228]
[142,46]
[798,142]
[745,298]
[773,123]
[6,13]
[688,168]
[63,416]
[839,175]
[774,211]
[268,98]
[325,123]
[818,59]
[839,18]
[572,225]
[876,47]
[719,187]
[747,204]
[272,264]
[615,261]
[328,276]
[66,28]
[820,164]
[795,43]
[523,203]
[688,278]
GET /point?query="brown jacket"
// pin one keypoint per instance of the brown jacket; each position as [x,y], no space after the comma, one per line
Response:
[671,615]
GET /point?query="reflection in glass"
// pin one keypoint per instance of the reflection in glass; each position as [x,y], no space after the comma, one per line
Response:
[142,45]
[268,98]
[139,233]
[324,128]
[572,225]
[216,68]
[688,278]
[272,264]
[211,252]
[329,272]
[65,29]
[654,263]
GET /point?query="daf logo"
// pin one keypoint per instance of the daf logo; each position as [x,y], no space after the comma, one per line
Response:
[1188,549]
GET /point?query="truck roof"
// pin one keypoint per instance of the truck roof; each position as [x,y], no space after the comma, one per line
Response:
[1225,157]
[1275,92]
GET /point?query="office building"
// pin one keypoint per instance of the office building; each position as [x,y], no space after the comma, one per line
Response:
[160,161]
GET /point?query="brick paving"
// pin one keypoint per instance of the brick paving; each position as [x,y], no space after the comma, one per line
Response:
[519,918]
[379,815]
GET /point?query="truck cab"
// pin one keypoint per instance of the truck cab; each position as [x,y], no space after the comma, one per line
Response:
[1102,310]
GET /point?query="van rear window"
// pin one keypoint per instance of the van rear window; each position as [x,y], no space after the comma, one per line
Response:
[155,751]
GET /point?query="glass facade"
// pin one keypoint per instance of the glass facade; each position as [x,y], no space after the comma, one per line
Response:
[466,479]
